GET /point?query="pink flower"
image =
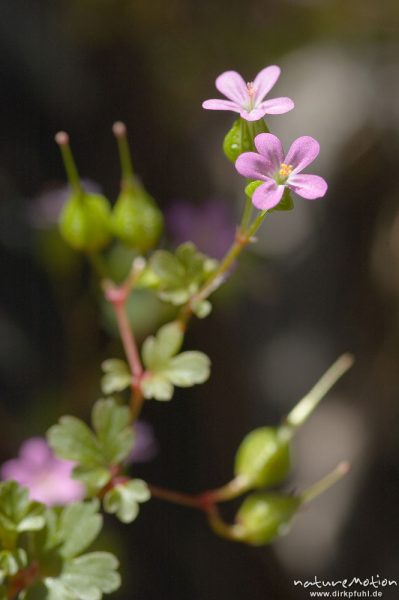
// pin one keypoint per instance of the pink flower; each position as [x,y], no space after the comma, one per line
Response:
[248,98]
[47,477]
[279,171]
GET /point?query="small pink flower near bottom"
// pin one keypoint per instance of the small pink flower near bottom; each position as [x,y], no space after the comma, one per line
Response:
[48,478]
[279,171]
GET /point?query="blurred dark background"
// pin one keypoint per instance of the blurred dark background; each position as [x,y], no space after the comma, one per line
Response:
[322,279]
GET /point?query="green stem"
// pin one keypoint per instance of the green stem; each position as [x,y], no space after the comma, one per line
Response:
[246,215]
[62,140]
[125,158]
[234,533]
[324,484]
[241,241]
[175,497]
[306,406]
[233,489]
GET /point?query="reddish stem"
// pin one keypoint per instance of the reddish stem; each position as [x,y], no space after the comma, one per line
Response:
[118,296]
[22,580]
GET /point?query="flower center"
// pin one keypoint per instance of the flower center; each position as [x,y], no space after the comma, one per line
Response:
[283,173]
[250,88]
[251,93]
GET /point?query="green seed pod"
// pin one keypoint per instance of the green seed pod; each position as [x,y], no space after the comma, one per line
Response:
[263,456]
[84,222]
[264,517]
[85,219]
[240,137]
[136,220]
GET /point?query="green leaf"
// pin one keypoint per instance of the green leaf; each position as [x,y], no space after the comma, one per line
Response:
[181,275]
[112,424]
[117,376]
[80,524]
[91,575]
[94,478]
[202,309]
[188,368]
[11,561]
[156,386]
[158,350]
[87,577]
[167,267]
[263,456]
[123,500]
[165,369]
[17,512]
[95,454]
[72,440]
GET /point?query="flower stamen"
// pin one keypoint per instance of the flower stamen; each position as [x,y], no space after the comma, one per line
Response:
[285,170]
[250,88]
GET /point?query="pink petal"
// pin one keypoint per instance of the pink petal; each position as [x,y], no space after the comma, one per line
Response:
[232,85]
[267,195]
[308,186]
[303,151]
[15,469]
[252,165]
[35,452]
[221,105]
[264,81]
[270,147]
[253,115]
[276,106]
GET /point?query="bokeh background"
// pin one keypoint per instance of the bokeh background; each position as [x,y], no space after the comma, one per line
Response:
[323,279]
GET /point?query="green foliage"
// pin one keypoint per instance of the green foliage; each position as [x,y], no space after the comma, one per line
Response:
[58,548]
[85,222]
[117,376]
[180,275]
[136,220]
[79,525]
[166,368]
[263,456]
[94,452]
[240,137]
[11,561]
[17,513]
[264,517]
[45,545]
[123,499]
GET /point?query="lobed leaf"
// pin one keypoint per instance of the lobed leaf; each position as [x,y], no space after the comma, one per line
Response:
[123,500]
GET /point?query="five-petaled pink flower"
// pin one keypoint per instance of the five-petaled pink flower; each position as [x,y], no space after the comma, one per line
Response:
[248,98]
[279,171]
[48,478]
